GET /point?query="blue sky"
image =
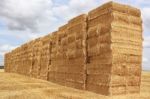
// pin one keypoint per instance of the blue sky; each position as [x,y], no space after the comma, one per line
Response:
[24,20]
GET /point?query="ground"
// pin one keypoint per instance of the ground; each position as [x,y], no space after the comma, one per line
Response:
[14,86]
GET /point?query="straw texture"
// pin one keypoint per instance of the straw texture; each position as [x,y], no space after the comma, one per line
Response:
[99,52]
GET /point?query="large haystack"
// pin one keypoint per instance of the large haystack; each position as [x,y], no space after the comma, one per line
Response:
[99,52]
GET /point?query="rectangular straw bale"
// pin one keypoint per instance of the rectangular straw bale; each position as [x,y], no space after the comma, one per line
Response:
[133,89]
[118,90]
[96,67]
[133,80]
[126,9]
[104,20]
[118,80]
[78,19]
[103,89]
[99,11]
[99,79]
[72,84]
[134,69]
[134,11]
[119,69]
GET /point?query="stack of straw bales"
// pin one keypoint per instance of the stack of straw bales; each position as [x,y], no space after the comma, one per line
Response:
[25,60]
[99,52]
[7,62]
[19,63]
[60,66]
[126,46]
[76,51]
[36,52]
[53,59]
[45,57]
[114,49]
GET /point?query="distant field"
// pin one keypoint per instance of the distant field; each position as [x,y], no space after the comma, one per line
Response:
[14,86]
[1,70]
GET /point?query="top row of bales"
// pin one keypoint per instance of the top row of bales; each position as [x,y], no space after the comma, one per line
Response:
[99,52]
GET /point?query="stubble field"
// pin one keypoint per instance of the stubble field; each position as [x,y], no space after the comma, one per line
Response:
[14,86]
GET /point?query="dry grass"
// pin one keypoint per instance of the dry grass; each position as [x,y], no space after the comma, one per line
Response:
[14,86]
[1,70]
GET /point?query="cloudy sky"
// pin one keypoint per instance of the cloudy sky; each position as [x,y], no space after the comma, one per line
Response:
[24,20]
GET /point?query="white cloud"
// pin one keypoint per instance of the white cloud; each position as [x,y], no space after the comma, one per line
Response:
[28,19]
[146,18]
[6,48]
[25,14]
[145,59]
[75,7]
[146,42]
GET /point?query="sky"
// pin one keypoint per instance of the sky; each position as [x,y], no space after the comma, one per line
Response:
[25,20]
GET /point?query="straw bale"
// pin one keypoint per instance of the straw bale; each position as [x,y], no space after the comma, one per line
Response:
[99,79]
[134,11]
[96,68]
[78,19]
[64,41]
[104,20]
[76,28]
[118,80]
[102,10]
[74,84]
[119,69]
[103,89]
[135,20]
[133,80]
[134,70]
[92,42]
[134,59]
[118,90]
[133,89]
[71,54]
[75,69]
[71,38]
[102,59]
[75,77]
[132,27]
[106,8]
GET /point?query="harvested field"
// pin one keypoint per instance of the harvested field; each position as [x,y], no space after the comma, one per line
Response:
[14,86]
[1,70]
